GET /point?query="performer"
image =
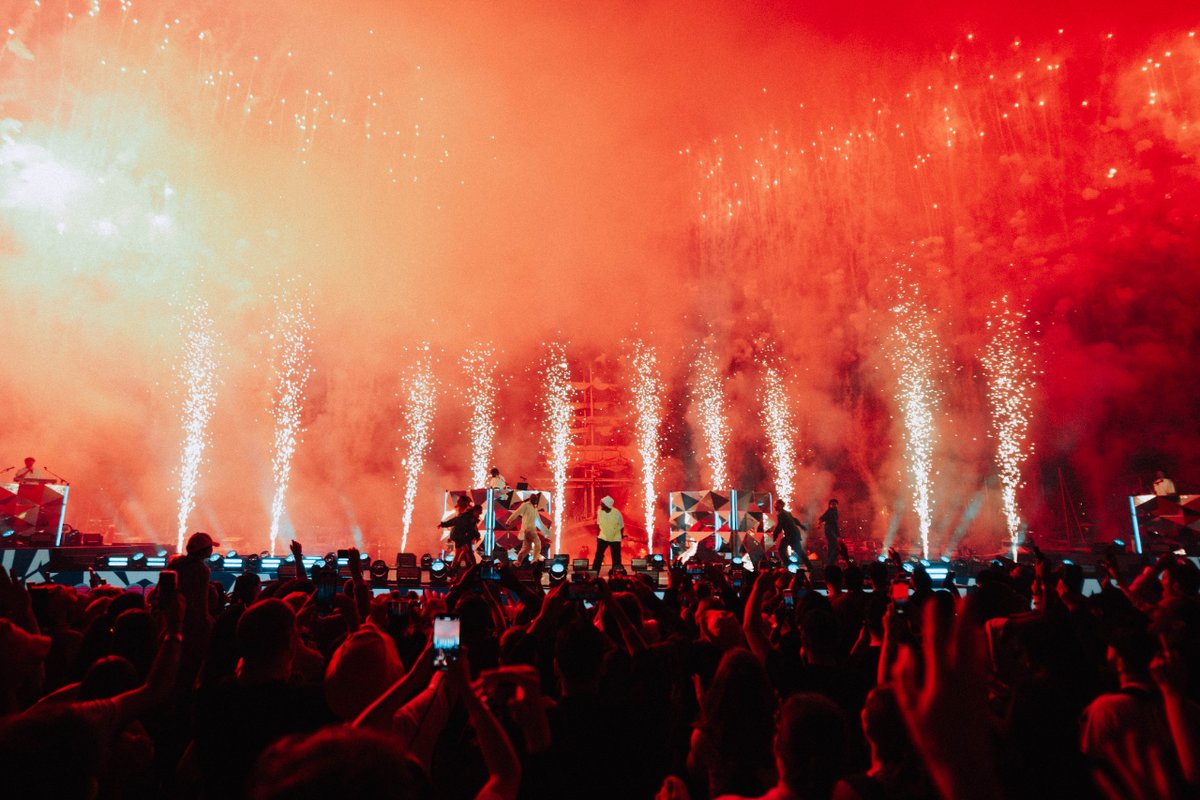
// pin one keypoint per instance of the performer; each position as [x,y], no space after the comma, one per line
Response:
[525,519]
[1163,486]
[787,533]
[464,531]
[495,481]
[612,528]
[830,519]
[32,473]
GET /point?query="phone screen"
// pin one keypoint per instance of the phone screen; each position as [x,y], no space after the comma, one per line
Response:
[789,599]
[327,583]
[445,642]
[900,595]
[582,590]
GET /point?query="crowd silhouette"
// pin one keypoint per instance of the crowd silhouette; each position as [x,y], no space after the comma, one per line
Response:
[874,682]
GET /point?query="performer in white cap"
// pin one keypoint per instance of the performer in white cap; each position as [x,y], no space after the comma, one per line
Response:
[612,528]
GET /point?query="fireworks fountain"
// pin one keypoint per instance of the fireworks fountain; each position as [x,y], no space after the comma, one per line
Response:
[558,407]
[420,400]
[647,402]
[1011,372]
[780,430]
[709,399]
[915,355]
[479,365]
[291,344]
[198,374]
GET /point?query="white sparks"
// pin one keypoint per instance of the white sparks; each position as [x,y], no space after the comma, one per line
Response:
[914,353]
[291,341]
[781,433]
[559,410]
[709,398]
[198,374]
[648,391]
[419,402]
[479,364]
[1011,371]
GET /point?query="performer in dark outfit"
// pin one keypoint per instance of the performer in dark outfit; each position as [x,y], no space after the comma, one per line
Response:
[464,531]
[787,533]
[830,519]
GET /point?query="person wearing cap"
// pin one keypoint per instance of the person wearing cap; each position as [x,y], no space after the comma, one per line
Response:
[193,573]
[612,528]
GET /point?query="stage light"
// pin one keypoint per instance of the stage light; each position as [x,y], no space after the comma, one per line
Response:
[137,561]
[156,562]
[161,553]
[234,564]
[379,572]
[793,567]
[216,561]
[438,572]
[426,561]
[658,562]
[231,554]
[116,562]
[410,560]
[558,572]
[252,562]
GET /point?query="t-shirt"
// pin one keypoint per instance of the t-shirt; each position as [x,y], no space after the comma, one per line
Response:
[611,524]
[1164,487]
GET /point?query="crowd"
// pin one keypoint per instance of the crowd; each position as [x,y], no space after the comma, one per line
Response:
[877,683]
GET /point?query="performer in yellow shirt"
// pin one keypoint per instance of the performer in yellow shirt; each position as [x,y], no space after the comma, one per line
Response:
[612,528]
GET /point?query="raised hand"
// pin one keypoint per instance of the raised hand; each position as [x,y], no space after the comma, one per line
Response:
[938,688]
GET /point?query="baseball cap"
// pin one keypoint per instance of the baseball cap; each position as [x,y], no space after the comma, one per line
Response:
[200,541]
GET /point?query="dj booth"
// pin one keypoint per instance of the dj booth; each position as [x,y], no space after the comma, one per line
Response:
[33,508]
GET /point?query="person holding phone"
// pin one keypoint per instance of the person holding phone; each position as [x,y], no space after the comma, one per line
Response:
[612,529]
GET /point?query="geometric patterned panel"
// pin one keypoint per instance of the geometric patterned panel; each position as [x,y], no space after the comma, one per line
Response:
[1182,510]
[706,512]
[29,507]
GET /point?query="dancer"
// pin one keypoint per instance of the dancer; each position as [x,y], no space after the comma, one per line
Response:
[787,533]
[464,531]
[830,519]
[525,519]
[612,528]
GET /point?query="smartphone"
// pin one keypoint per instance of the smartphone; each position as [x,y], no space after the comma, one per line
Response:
[736,576]
[398,611]
[900,595]
[327,584]
[445,642]
[488,571]
[168,586]
[789,599]
[582,590]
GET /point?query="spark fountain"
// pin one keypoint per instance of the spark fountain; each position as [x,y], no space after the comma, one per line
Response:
[1011,371]
[291,343]
[479,365]
[780,430]
[915,354]
[198,374]
[709,399]
[420,401]
[558,407]
[647,402]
